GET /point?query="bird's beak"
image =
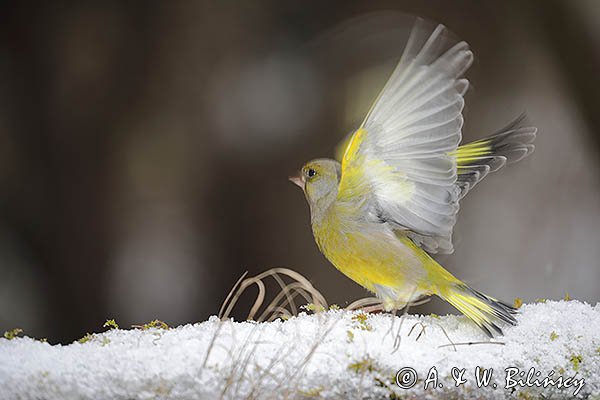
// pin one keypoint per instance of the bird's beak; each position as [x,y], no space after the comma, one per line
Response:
[297,180]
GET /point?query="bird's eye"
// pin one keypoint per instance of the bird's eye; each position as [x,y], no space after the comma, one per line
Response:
[311,172]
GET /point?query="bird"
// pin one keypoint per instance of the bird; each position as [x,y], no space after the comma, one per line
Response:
[391,198]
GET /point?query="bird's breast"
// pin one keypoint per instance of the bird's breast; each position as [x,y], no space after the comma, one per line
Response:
[368,253]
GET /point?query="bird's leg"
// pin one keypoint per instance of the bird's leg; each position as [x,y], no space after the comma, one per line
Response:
[398,339]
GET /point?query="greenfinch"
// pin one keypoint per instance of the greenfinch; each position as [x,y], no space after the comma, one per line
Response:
[392,198]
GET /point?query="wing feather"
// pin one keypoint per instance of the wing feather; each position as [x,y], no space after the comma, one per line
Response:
[404,160]
[401,155]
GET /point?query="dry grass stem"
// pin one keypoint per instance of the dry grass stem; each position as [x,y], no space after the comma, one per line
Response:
[284,300]
[469,344]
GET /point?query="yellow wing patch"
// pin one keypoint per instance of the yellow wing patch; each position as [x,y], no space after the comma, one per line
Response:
[353,183]
[468,153]
[353,146]
[356,168]
[341,147]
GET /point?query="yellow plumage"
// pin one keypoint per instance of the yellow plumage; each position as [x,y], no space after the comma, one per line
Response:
[395,195]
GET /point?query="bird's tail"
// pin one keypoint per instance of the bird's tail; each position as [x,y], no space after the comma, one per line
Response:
[485,311]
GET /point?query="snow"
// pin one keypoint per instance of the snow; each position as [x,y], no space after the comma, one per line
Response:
[333,354]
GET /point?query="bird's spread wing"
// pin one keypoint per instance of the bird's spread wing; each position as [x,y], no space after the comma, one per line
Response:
[401,159]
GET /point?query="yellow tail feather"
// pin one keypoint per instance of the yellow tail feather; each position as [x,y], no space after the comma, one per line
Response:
[485,311]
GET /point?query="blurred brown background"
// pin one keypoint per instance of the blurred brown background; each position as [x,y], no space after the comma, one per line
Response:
[145,149]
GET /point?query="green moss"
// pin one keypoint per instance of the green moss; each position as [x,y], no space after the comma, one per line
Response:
[553,336]
[315,308]
[567,297]
[111,324]
[365,365]
[361,321]
[13,333]
[334,307]
[525,395]
[156,324]
[162,391]
[91,336]
[350,336]
[391,394]
[576,360]
[435,316]
[518,302]
[540,300]
[86,338]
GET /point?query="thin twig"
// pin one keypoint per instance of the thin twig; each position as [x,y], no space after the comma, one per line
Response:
[420,333]
[289,291]
[301,286]
[211,344]
[365,301]
[237,283]
[470,344]
[447,337]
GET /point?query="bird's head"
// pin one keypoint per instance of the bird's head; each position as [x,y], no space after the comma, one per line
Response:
[319,179]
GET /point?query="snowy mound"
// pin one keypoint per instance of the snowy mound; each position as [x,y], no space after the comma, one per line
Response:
[334,354]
